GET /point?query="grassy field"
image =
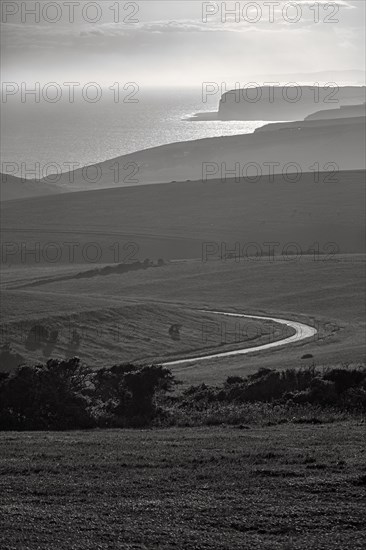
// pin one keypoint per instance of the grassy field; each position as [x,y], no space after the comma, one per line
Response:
[288,486]
[81,231]
[291,486]
[175,221]
[127,316]
[111,334]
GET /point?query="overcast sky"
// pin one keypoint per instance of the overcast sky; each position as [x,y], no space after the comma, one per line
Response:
[172,44]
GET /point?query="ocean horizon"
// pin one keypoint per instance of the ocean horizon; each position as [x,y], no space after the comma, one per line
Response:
[39,135]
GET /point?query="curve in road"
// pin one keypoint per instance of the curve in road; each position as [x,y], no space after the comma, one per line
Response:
[302,332]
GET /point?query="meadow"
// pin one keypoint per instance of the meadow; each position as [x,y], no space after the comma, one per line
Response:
[289,486]
[298,254]
[188,220]
[127,316]
[255,477]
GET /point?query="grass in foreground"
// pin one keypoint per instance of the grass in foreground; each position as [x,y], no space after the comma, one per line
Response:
[286,486]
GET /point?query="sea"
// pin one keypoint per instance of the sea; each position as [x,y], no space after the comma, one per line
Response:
[37,135]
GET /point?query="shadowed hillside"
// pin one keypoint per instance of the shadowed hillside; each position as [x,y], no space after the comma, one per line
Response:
[179,221]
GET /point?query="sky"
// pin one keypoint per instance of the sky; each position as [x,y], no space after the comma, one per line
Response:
[178,43]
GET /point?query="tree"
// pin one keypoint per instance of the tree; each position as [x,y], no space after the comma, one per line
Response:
[129,391]
[52,396]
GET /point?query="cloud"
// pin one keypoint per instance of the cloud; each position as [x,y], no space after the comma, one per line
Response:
[62,35]
[341,3]
[20,37]
[171,45]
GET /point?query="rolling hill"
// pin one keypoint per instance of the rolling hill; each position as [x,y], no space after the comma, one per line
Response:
[289,148]
[180,221]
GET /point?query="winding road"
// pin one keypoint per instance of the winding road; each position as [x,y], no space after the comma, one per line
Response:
[302,332]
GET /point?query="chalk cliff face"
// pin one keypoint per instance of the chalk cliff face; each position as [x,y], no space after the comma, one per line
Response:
[286,102]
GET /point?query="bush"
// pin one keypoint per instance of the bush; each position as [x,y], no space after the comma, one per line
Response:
[128,393]
[342,388]
[344,379]
[52,396]
[64,395]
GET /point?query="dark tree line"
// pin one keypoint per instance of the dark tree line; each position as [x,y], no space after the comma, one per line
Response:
[66,395]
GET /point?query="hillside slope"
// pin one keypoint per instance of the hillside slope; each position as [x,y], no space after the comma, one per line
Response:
[179,221]
[298,147]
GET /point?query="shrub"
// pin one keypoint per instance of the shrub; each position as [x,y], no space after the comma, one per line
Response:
[51,396]
[342,388]
[65,395]
[128,393]
[345,379]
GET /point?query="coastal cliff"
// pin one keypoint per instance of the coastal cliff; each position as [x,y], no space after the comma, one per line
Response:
[286,102]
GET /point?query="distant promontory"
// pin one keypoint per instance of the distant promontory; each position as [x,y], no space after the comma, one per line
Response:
[283,103]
